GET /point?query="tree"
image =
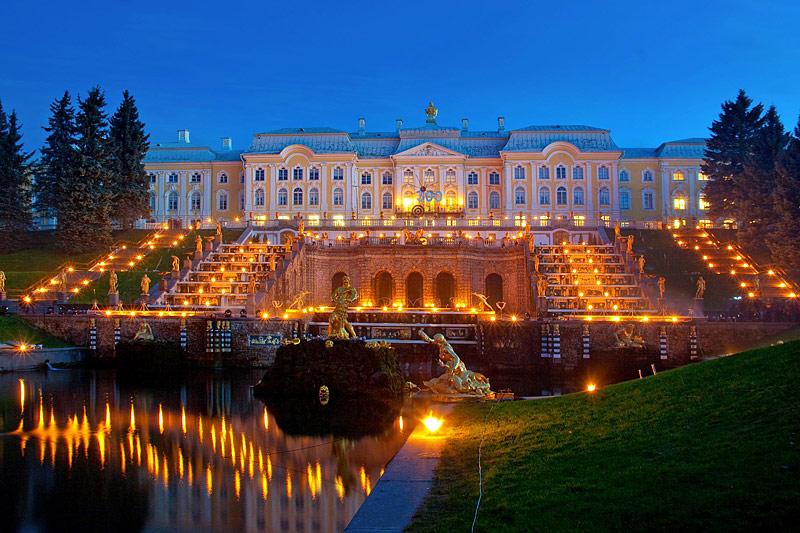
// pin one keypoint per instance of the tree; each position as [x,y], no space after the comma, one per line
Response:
[127,147]
[786,197]
[15,182]
[59,160]
[726,153]
[85,215]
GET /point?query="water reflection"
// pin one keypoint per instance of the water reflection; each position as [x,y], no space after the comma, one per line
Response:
[80,451]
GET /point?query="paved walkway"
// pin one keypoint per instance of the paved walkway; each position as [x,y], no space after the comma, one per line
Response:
[405,483]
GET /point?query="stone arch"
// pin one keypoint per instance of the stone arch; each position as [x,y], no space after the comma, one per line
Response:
[414,290]
[560,236]
[383,288]
[445,287]
[494,288]
[336,280]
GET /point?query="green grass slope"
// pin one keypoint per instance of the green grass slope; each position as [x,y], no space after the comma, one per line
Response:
[13,328]
[711,446]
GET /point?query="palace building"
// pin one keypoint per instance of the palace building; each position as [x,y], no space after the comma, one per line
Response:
[542,176]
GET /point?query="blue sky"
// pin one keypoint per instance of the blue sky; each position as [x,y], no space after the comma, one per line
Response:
[649,72]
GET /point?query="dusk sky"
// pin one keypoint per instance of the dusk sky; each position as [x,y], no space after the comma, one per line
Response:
[650,72]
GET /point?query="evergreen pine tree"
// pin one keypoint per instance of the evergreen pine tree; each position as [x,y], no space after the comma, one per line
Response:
[59,160]
[128,146]
[726,153]
[786,196]
[15,183]
[87,203]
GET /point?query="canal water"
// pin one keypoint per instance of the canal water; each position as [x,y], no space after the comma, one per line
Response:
[86,450]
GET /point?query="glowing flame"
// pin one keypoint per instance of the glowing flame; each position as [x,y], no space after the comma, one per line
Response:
[432,423]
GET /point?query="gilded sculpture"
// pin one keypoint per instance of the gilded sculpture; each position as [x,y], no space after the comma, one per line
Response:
[112,283]
[431,113]
[145,284]
[2,281]
[338,326]
[145,332]
[701,288]
[627,339]
[456,380]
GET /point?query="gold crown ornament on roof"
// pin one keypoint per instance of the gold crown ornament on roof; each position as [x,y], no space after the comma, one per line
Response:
[431,113]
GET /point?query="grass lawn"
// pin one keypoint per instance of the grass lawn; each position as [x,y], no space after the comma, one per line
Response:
[13,328]
[710,446]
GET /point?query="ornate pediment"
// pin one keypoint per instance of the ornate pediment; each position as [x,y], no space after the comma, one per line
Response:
[429,149]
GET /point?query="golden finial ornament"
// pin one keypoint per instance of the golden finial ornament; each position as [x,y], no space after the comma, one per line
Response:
[431,112]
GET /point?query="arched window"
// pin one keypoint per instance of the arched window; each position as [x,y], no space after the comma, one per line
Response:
[519,196]
[624,198]
[578,197]
[172,201]
[429,176]
[222,201]
[544,196]
[472,200]
[648,176]
[450,176]
[450,198]
[297,196]
[366,201]
[624,175]
[283,197]
[561,196]
[222,178]
[386,202]
[313,197]
[494,200]
[258,197]
[195,201]
[603,197]
[408,177]
[338,197]
[679,201]
[297,173]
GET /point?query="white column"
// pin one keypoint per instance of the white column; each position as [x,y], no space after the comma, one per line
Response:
[323,188]
[248,192]
[483,191]
[208,186]
[271,186]
[591,216]
[161,180]
[507,189]
[615,190]
[666,209]
[182,207]
[461,186]
[691,174]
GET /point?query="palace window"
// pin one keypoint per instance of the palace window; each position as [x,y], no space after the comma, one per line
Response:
[258,197]
[172,201]
[544,220]
[338,174]
[544,173]
[222,201]
[241,178]
[561,173]
[494,200]
[366,178]
[408,177]
[577,172]
[195,201]
[519,196]
[283,197]
[172,178]
[561,196]
[241,200]
[283,174]
[313,174]
[648,176]
[624,199]
[648,200]
[705,223]
[472,200]
[313,197]
[678,176]
[703,203]
[472,178]
[701,176]
[297,174]
[386,202]
[519,173]
[297,196]
[679,201]
[259,174]
[624,175]
[366,201]
[603,197]
[450,176]
[386,179]
[602,173]
[578,198]
[338,197]
[494,178]
[195,178]
[429,177]
[152,202]
[578,220]
[544,196]
[152,177]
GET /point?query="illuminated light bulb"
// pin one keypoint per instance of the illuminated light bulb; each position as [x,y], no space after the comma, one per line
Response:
[674,319]
[264,315]
[738,257]
[705,258]
[108,313]
[646,319]
[432,424]
[696,247]
[285,316]
[615,318]
[711,265]
[138,257]
[591,387]
[513,318]
[588,319]
[186,302]
[743,284]
[792,295]
[27,299]
[783,285]
[200,291]
[493,318]
[750,294]
[745,265]
[733,272]
[85,282]
[590,307]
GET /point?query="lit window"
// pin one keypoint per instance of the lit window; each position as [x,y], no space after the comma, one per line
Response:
[577,173]
[579,220]
[338,174]
[472,178]
[386,179]
[450,198]
[544,220]
[259,175]
[313,174]
[519,173]
[472,200]
[283,197]
[313,196]
[297,173]
[677,176]
[648,176]
[602,173]
[297,196]
[519,196]
[429,178]
[703,203]
[561,196]
[408,177]
[195,201]
[338,197]
[366,201]
[578,198]
[679,202]
[624,200]
[494,200]
[450,176]
[544,196]
[544,173]
[222,202]
[494,178]
[705,223]
[195,178]
[624,175]
[603,197]
[701,176]
[386,202]
[283,174]
[561,173]
[366,178]
[258,197]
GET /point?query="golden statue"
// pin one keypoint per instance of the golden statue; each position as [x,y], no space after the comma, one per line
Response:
[145,284]
[145,332]
[112,282]
[626,338]
[701,288]
[198,244]
[662,286]
[456,378]
[219,228]
[176,263]
[338,326]
[2,281]
[431,113]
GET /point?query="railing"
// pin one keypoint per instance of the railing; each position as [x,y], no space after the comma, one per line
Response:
[429,241]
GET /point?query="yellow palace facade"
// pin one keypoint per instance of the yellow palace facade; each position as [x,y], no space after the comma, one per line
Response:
[556,175]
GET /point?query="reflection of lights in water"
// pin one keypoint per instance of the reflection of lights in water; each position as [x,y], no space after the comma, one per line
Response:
[22,395]
[400,420]
[133,418]
[180,463]
[160,419]
[266,419]
[288,485]
[269,468]
[340,487]
[214,439]
[264,486]
[108,417]
[237,483]
[312,485]
[260,461]
[183,419]
[209,480]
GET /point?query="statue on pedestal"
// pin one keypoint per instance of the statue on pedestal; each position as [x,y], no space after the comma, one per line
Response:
[536,261]
[616,230]
[145,284]
[301,229]
[641,264]
[541,287]
[251,283]
[198,244]
[145,333]
[2,281]
[219,229]
[176,263]
[484,301]
[456,378]
[662,285]
[630,243]
[112,282]
[62,281]
[701,287]
[338,326]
